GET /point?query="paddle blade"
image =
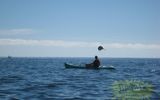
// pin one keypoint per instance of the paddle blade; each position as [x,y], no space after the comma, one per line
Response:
[100,48]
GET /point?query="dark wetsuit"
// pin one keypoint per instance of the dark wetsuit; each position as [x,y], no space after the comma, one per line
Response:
[96,63]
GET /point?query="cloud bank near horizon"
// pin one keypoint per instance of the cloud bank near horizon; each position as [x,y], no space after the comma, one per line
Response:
[63,48]
[70,44]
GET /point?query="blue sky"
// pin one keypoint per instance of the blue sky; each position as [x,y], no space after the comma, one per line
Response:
[73,28]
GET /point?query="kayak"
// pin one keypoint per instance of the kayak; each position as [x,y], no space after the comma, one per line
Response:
[83,66]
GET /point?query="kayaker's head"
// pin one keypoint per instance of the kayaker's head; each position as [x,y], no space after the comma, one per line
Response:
[96,57]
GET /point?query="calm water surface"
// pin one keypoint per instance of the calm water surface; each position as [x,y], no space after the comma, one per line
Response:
[47,79]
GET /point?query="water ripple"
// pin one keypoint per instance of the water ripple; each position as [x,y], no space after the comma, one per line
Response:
[47,79]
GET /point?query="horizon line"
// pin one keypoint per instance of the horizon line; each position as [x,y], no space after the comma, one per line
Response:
[76,57]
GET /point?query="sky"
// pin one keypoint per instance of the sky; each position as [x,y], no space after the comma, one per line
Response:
[75,28]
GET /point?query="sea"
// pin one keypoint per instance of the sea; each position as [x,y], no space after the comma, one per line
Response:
[42,78]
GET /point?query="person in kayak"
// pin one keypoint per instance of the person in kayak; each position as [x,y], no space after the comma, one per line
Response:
[94,64]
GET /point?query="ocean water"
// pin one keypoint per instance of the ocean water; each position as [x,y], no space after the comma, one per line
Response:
[47,79]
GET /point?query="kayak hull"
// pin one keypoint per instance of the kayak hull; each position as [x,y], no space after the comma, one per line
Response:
[68,65]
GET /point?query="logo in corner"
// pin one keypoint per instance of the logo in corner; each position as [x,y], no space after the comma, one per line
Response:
[132,89]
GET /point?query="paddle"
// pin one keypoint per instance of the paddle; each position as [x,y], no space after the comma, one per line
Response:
[100,48]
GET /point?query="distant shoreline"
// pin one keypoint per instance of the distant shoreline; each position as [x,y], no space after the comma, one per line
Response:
[81,57]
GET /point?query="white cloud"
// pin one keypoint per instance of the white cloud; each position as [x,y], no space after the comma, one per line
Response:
[61,43]
[16,31]
[133,45]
